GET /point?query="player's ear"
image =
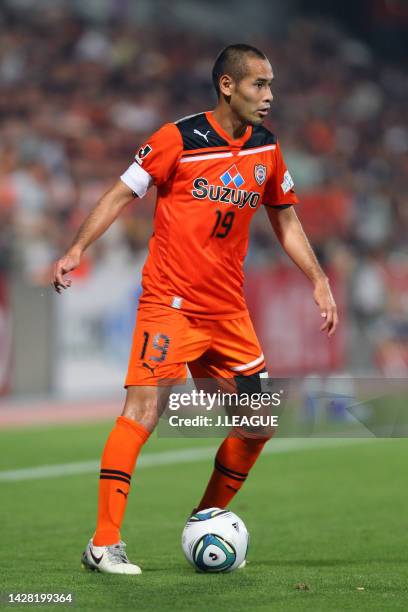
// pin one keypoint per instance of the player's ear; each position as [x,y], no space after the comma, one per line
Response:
[226,85]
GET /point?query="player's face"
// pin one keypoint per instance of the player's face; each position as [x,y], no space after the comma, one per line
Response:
[252,97]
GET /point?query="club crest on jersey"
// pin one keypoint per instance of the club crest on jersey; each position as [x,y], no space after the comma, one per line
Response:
[142,153]
[260,173]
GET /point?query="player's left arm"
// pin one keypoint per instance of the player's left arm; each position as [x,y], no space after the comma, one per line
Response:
[293,239]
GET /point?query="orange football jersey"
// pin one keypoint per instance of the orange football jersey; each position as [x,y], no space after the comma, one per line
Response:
[208,188]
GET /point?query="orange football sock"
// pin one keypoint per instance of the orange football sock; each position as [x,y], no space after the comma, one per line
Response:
[233,461]
[118,462]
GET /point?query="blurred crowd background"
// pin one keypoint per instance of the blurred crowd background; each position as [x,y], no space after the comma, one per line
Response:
[83,84]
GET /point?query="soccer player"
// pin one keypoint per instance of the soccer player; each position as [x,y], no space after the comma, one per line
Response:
[212,170]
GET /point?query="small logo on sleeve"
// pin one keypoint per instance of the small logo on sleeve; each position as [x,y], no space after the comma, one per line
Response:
[260,173]
[142,153]
[287,183]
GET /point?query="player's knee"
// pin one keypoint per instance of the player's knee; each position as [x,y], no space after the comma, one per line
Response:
[141,406]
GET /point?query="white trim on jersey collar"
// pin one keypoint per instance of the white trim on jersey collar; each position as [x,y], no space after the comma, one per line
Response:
[137,179]
[190,116]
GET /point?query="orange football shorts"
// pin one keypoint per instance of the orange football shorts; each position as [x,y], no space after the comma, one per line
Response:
[166,341]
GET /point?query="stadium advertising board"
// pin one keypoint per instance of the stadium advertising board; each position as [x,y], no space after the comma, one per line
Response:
[286,319]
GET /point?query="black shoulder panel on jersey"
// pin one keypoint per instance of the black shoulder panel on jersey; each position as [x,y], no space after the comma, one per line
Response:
[198,133]
[260,137]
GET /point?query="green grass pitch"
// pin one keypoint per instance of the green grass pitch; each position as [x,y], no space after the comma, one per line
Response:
[334,519]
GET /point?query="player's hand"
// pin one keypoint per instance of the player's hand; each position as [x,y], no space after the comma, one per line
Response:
[324,299]
[70,261]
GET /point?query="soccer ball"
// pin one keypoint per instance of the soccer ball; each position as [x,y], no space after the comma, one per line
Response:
[215,540]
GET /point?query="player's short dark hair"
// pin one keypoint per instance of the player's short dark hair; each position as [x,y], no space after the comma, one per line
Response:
[231,61]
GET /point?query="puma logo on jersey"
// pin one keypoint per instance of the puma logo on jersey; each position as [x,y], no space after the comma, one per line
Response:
[227,195]
[146,365]
[203,135]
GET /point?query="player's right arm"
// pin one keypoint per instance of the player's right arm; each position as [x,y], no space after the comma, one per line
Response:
[97,222]
[154,162]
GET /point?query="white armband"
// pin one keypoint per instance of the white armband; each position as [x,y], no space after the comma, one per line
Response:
[137,179]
